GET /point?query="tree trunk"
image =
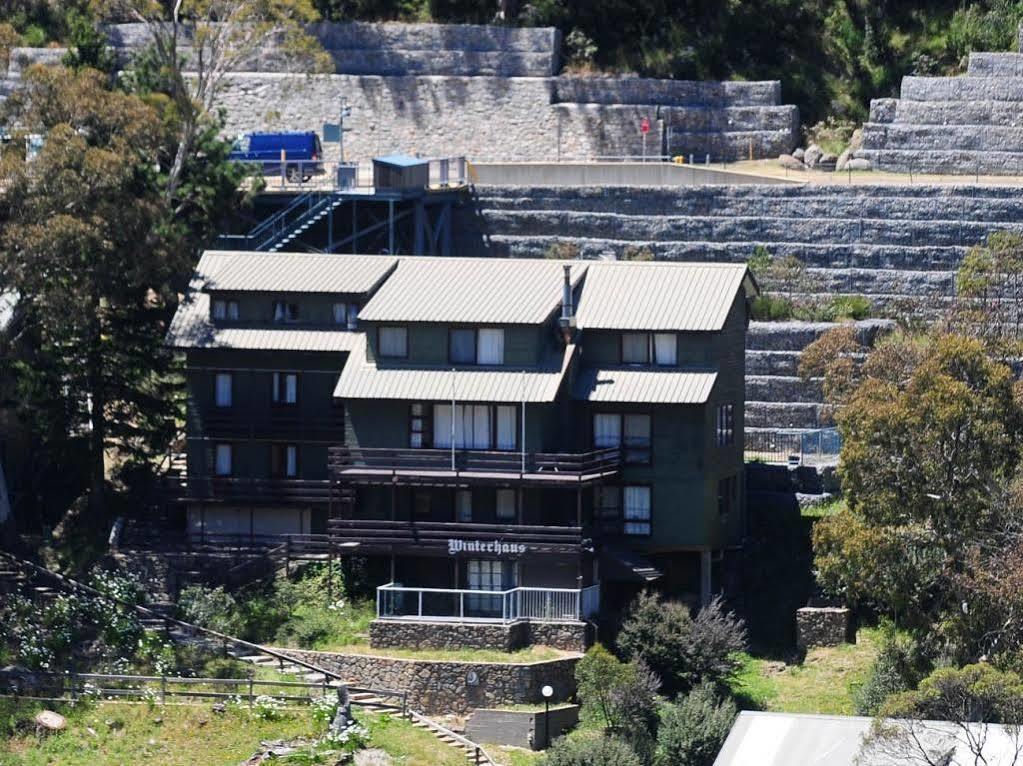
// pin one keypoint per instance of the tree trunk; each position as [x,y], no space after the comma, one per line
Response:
[97,416]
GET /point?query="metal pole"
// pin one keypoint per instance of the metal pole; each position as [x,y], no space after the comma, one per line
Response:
[452,419]
[522,446]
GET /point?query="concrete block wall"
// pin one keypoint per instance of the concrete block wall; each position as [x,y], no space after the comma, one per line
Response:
[971,124]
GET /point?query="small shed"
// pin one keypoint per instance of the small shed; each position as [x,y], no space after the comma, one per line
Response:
[400,172]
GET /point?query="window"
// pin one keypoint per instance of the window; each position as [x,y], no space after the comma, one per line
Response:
[505,427]
[392,342]
[222,463]
[608,431]
[476,346]
[419,426]
[285,312]
[421,502]
[462,346]
[637,438]
[463,505]
[506,506]
[223,389]
[490,348]
[636,501]
[635,348]
[607,507]
[225,309]
[340,313]
[353,316]
[665,349]
[725,431]
[285,388]
[475,426]
[283,461]
[726,495]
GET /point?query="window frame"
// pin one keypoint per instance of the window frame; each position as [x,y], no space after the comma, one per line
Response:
[653,348]
[621,349]
[291,312]
[649,520]
[472,331]
[380,330]
[344,313]
[498,516]
[285,450]
[279,388]
[425,430]
[493,420]
[724,425]
[231,312]
[216,460]
[230,390]
[622,447]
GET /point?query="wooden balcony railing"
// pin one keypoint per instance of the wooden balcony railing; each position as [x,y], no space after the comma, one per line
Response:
[452,539]
[228,488]
[367,464]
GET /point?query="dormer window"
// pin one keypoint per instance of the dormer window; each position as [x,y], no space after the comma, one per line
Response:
[659,348]
[392,342]
[225,310]
[468,345]
[346,315]
[285,312]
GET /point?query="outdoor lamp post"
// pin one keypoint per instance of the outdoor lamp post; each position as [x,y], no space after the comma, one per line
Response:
[547,691]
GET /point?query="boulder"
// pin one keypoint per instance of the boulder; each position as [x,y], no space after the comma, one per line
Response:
[813,155]
[373,757]
[856,140]
[843,158]
[799,153]
[858,163]
[790,162]
[48,721]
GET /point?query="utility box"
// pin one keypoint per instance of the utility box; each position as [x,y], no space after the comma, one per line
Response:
[346,175]
[400,172]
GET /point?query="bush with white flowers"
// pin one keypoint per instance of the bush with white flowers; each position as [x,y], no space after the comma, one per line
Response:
[324,709]
[267,708]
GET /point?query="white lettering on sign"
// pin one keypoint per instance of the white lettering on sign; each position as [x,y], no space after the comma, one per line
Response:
[484,546]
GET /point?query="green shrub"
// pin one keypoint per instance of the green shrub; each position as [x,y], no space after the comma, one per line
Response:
[771,308]
[898,667]
[621,696]
[590,750]
[850,307]
[693,729]
[226,667]
[208,607]
[562,251]
[683,651]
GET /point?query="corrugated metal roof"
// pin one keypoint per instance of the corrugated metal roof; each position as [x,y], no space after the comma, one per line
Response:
[401,160]
[192,328]
[363,380]
[471,290]
[615,384]
[659,296]
[243,271]
[786,739]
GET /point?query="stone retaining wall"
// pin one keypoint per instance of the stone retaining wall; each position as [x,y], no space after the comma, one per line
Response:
[441,687]
[408,634]
[824,626]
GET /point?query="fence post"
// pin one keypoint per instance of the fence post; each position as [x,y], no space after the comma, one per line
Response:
[251,695]
[163,689]
[420,604]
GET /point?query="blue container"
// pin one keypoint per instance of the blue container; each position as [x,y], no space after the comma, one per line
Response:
[302,154]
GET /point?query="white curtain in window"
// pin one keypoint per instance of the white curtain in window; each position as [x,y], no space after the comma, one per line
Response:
[353,316]
[480,427]
[280,311]
[393,341]
[505,427]
[291,388]
[491,346]
[607,431]
[506,510]
[472,426]
[220,309]
[635,349]
[665,348]
[637,510]
[442,425]
[232,309]
[291,467]
[223,389]
[340,313]
[223,460]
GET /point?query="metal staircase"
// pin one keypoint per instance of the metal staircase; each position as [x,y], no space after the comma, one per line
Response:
[286,225]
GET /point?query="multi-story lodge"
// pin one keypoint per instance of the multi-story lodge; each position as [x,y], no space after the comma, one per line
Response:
[550,433]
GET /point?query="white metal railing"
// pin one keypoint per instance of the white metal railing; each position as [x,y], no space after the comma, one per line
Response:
[324,175]
[399,602]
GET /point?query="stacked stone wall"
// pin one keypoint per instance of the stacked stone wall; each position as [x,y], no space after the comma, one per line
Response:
[407,634]
[442,687]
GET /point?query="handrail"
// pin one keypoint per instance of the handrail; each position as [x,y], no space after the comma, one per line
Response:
[465,591]
[464,741]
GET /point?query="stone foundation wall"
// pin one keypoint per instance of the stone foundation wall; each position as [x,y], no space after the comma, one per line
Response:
[407,634]
[824,626]
[437,688]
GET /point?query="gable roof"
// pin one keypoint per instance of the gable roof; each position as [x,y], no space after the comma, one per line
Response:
[361,379]
[471,290]
[669,296]
[244,271]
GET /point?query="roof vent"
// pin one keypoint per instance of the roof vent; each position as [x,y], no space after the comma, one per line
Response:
[567,321]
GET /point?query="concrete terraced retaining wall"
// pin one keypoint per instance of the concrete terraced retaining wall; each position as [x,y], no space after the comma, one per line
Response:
[486,92]
[440,687]
[958,125]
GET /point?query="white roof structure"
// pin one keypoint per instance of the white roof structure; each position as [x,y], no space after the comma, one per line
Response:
[789,739]
[622,385]
[629,295]
[242,271]
[8,303]
[472,290]
[362,380]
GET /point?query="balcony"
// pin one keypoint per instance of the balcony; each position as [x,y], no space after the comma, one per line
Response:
[397,602]
[281,422]
[365,536]
[445,466]
[244,489]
